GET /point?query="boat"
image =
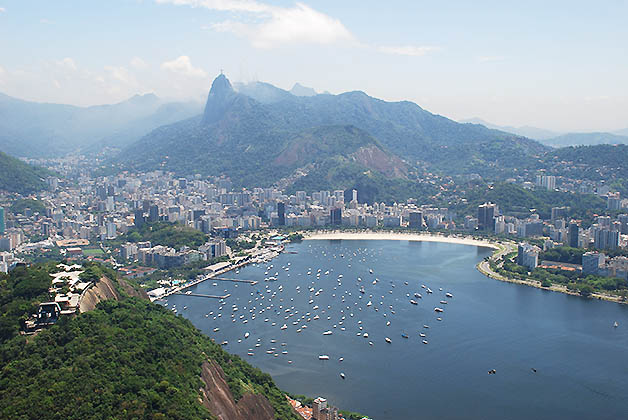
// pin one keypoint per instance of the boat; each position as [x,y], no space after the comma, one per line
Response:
[404,335]
[371,270]
[284,326]
[327,333]
[365,335]
[429,290]
[413,302]
[388,323]
[449,295]
[615,324]
[424,341]
[444,302]
[388,340]
[438,310]
[251,353]
[323,357]
[426,326]
[421,334]
[224,343]
[216,329]
[342,375]
[341,359]
[418,296]
[246,334]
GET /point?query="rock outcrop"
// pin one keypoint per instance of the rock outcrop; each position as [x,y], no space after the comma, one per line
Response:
[217,398]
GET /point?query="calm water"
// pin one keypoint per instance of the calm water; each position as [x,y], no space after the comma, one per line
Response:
[581,360]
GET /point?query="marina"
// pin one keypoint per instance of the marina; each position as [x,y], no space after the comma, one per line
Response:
[350,317]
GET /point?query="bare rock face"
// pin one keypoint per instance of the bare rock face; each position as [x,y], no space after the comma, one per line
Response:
[103,289]
[217,398]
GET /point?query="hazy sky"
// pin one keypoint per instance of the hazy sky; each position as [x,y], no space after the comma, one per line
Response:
[561,65]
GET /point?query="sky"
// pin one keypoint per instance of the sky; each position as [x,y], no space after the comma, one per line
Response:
[559,65]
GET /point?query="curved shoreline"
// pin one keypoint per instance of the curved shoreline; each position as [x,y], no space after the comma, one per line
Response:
[398,236]
[483,267]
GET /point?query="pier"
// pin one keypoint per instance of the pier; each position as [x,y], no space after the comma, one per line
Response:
[234,280]
[202,295]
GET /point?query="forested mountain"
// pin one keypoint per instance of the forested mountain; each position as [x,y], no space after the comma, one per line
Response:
[20,177]
[126,359]
[273,135]
[31,129]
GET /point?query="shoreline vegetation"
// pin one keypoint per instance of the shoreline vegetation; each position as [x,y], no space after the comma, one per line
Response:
[500,248]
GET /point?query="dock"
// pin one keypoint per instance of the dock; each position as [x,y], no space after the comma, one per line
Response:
[202,295]
[234,280]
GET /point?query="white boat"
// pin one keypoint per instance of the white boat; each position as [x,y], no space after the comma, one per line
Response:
[429,290]
[216,329]
[341,359]
[449,295]
[246,335]
[413,302]
[284,326]
[421,334]
[323,357]
[438,310]
[615,324]
[327,333]
[342,375]
[444,302]
[371,270]
[365,335]
[388,340]
[424,341]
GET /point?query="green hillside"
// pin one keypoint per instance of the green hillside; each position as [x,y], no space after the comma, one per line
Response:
[127,359]
[20,177]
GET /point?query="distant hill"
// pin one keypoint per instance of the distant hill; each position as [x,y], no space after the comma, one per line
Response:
[270,137]
[525,131]
[20,177]
[300,90]
[585,139]
[623,132]
[32,129]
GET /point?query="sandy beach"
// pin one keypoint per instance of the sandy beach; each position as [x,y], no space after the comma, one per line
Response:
[398,236]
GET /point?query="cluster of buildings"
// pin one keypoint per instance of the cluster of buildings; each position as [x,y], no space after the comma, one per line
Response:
[598,264]
[166,257]
[320,410]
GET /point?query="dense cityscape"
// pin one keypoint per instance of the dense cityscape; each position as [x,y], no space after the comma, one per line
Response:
[296,210]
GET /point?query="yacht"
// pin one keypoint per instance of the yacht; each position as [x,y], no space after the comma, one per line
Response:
[323,357]
[327,333]
[449,295]
[438,310]
[388,340]
[342,375]
[413,302]
[404,335]
[616,324]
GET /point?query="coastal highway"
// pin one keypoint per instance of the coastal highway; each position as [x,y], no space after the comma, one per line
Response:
[484,266]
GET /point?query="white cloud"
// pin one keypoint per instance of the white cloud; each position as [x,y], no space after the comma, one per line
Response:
[410,50]
[183,65]
[121,74]
[275,26]
[2,10]
[67,63]
[250,6]
[138,64]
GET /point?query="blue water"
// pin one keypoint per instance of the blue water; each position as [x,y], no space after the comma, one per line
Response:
[581,360]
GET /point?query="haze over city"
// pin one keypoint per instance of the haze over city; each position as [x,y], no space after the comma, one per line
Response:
[559,65]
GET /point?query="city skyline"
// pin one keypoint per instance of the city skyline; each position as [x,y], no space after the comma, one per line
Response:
[534,73]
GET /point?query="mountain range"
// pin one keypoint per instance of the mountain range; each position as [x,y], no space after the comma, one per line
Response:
[556,139]
[262,135]
[32,129]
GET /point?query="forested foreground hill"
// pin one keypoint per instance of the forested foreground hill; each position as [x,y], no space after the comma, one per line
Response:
[128,359]
[20,177]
